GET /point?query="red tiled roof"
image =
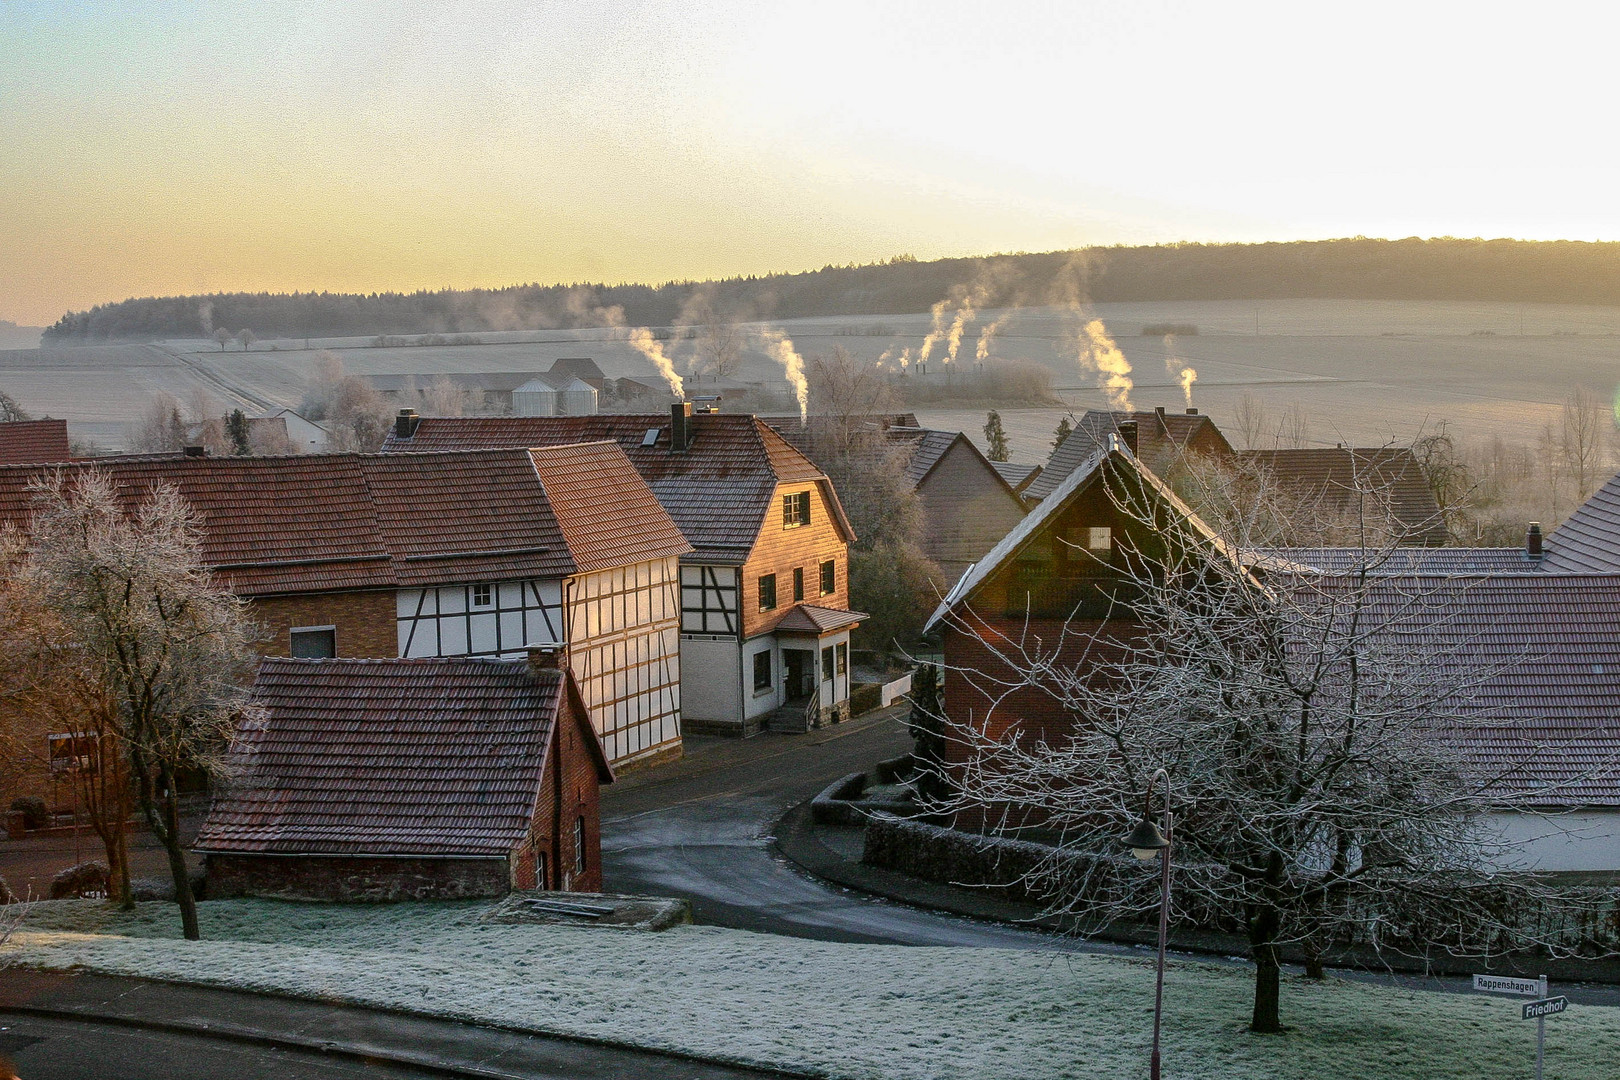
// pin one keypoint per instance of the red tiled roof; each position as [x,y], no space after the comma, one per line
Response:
[812,619]
[1404,560]
[718,491]
[328,522]
[1545,652]
[1334,473]
[387,757]
[28,442]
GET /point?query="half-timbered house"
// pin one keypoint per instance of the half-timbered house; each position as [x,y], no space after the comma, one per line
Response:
[764,610]
[473,553]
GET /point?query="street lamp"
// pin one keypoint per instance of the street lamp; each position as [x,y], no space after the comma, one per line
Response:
[1145,842]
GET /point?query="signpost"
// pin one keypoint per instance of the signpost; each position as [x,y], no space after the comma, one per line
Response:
[1537,1010]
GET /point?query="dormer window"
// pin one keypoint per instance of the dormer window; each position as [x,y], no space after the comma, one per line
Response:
[795,510]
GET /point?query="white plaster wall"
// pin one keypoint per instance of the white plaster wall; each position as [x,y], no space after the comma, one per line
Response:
[1580,840]
[710,687]
[758,706]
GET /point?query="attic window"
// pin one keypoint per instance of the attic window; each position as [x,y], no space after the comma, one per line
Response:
[795,510]
[651,438]
[1099,538]
[482,595]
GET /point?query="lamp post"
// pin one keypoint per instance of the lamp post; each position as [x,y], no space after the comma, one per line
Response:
[1145,842]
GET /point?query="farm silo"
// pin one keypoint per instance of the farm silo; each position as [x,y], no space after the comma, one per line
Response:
[554,396]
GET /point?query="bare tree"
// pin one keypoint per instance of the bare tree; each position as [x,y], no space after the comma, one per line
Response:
[10,410]
[1294,429]
[1585,430]
[223,336]
[160,427]
[1251,421]
[246,337]
[1314,730]
[443,398]
[355,412]
[719,343]
[170,648]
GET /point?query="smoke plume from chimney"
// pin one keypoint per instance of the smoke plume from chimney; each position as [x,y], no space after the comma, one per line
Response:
[1182,373]
[779,346]
[1100,355]
[653,350]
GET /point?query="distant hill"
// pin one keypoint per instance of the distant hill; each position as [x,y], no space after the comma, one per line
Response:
[1442,269]
[13,336]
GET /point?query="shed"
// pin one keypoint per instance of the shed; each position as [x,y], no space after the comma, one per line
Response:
[382,780]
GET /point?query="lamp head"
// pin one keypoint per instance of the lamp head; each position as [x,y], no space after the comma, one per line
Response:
[1146,840]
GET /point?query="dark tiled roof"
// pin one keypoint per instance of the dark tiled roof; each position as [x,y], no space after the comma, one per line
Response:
[1018,476]
[1546,717]
[1590,539]
[811,619]
[1408,560]
[27,442]
[1333,474]
[1159,437]
[328,522]
[718,491]
[387,757]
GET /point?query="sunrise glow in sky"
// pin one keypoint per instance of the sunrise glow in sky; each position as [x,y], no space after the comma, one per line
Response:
[152,148]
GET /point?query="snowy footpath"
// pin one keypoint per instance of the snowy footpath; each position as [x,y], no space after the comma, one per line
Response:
[835,1010]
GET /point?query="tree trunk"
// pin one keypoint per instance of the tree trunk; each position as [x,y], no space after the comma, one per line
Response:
[177,864]
[1314,968]
[1264,922]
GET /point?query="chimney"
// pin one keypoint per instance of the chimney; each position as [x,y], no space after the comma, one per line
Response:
[680,427]
[1159,410]
[547,657]
[1192,412]
[1532,542]
[196,451]
[405,424]
[1127,434]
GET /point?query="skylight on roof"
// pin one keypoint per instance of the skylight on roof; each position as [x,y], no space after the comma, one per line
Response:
[650,438]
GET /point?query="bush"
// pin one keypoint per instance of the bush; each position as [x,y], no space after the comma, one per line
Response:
[88,879]
[35,816]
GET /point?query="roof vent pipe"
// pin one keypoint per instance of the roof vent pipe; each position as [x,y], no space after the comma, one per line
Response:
[1127,434]
[405,424]
[1532,541]
[680,427]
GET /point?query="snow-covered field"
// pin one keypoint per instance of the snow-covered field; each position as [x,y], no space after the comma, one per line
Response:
[827,1009]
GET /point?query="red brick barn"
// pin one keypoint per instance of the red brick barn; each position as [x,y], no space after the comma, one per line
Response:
[425,779]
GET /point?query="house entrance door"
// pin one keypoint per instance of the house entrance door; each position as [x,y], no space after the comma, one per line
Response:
[799,673]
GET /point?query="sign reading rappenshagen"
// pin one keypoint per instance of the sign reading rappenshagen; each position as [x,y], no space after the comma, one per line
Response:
[1502,984]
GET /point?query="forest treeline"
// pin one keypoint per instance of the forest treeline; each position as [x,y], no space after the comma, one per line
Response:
[1413,269]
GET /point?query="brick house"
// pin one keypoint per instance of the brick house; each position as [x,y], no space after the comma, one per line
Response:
[765,619]
[474,553]
[967,502]
[409,780]
[1544,717]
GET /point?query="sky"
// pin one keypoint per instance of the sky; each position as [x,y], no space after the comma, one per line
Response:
[153,148]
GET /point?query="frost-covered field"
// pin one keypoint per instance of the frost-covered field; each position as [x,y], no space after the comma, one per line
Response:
[828,1009]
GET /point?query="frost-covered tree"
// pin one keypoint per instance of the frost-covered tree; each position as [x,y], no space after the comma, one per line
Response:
[168,647]
[1314,729]
[996,437]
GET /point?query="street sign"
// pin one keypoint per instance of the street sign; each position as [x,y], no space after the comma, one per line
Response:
[1535,1010]
[1502,984]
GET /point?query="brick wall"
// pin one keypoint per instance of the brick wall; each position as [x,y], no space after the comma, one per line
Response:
[354,879]
[552,831]
[365,621]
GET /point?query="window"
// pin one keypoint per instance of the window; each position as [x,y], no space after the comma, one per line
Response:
[829,578]
[767,592]
[762,671]
[1099,538]
[313,642]
[579,845]
[843,657]
[826,663]
[482,595]
[798,583]
[795,510]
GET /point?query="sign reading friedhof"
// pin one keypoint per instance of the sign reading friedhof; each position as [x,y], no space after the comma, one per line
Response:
[1535,1010]
[1502,984]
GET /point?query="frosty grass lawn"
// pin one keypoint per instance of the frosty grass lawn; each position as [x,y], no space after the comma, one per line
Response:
[832,1010]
